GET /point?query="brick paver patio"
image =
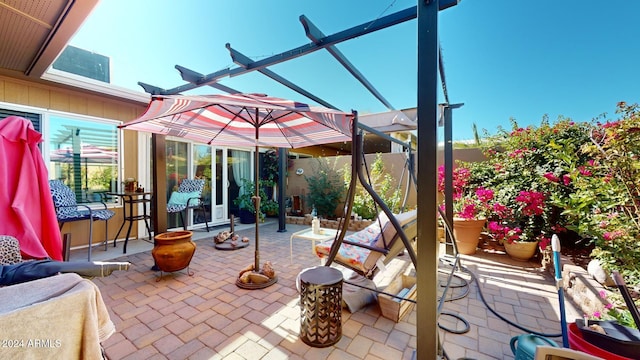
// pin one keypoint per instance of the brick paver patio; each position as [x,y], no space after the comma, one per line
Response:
[206,316]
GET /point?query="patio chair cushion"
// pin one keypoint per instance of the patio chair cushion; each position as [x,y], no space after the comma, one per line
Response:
[65,202]
[188,189]
[102,214]
[362,259]
[67,207]
[181,198]
[9,250]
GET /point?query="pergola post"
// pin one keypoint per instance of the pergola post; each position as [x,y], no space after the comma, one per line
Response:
[427,267]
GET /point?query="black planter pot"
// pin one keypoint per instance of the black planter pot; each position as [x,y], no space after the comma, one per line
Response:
[247,217]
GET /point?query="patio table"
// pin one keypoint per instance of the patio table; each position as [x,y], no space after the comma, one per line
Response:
[128,200]
[307,234]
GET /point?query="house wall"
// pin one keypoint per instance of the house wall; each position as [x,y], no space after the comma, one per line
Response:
[52,97]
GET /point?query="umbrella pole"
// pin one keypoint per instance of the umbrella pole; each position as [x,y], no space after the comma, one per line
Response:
[256,176]
[555,246]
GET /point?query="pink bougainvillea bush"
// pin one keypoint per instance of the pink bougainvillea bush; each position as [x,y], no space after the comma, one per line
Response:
[604,205]
[469,201]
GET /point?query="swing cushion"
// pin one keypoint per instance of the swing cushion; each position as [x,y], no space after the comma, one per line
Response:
[362,259]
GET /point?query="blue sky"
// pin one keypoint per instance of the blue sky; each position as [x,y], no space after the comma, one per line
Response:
[503,58]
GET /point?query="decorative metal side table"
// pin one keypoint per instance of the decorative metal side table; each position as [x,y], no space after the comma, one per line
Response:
[321,306]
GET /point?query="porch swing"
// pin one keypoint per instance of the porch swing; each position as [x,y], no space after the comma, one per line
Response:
[367,250]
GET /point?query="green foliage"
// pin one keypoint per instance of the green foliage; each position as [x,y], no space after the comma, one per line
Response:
[243,201]
[604,192]
[383,184]
[589,174]
[269,207]
[248,190]
[101,179]
[270,166]
[326,190]
[531,161]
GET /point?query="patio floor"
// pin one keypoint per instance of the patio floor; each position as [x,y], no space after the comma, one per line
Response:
[206,316]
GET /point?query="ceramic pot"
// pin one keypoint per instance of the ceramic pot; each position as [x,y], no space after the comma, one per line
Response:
[173,250]
[467,234]
[521,250]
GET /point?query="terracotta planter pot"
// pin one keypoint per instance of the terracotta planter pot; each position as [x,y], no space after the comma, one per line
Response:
[173,250]
[521,250]
[467,234]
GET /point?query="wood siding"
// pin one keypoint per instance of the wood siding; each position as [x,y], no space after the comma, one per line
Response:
[51,97]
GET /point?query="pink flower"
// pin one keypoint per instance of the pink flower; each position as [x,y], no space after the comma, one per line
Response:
[609,306]
[549,176]
[533,202]
[557,228]
[603,294]
[612,235]
[584,172]
[597,314]
[484,195]
[501,210]
[544,242]
[566,179]
[517,154]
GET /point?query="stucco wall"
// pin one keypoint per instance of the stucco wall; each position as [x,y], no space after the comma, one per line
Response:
[393,163]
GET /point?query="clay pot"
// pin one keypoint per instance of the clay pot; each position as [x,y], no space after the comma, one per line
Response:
[173,250]
[521,250]
[467,234]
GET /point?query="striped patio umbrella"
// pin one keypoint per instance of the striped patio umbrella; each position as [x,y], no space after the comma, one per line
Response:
[244,120]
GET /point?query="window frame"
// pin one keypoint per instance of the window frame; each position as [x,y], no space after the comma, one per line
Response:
[45,130]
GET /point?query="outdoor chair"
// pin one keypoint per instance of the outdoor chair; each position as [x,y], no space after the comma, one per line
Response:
[68,210]
[188,196]
[361,251]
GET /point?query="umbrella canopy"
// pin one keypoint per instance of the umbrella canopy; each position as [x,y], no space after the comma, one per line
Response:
[243,120]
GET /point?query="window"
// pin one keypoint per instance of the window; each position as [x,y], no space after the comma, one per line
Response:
[33,117]
[84,155]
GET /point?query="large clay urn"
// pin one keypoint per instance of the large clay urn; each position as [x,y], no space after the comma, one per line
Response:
[173,250]
[467,233]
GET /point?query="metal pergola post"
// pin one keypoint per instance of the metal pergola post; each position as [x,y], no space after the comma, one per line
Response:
[427,269]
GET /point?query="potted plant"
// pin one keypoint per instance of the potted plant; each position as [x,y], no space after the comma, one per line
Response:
[522,165]
[471,207]
[245,204]
[247,210]
[522,227]
[269,207]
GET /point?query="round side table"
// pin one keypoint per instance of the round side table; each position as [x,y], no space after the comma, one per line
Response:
[321,306]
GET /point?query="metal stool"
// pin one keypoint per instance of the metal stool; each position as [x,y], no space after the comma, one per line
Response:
[321,306]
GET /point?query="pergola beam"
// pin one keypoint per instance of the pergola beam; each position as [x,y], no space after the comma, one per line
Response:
[316,35]
[244,61]
[194,76]
[324,42]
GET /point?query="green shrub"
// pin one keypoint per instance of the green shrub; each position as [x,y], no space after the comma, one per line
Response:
[326,190]
[384,185]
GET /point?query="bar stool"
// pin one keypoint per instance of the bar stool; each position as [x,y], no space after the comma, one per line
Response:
[321,306]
